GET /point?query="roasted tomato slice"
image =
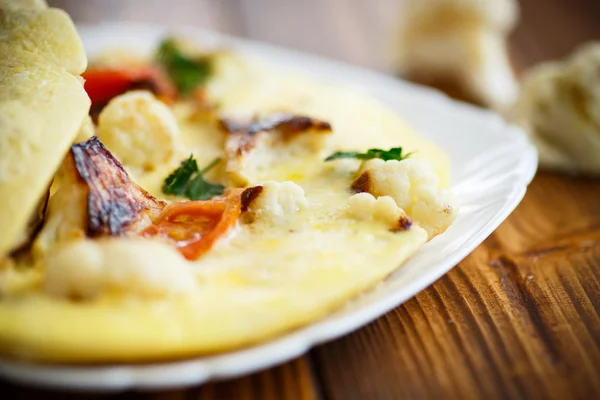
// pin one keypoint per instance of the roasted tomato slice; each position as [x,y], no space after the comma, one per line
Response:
[103,84]
[194,226]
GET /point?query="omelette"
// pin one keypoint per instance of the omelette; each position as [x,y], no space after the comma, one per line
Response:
[190,201]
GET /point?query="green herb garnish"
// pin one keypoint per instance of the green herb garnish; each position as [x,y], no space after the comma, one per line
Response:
[185,72]
[188,181]
[395,153]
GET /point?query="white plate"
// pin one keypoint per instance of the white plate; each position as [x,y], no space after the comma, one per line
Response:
[492,164]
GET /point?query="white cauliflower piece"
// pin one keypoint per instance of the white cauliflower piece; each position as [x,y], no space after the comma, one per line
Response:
[559,107]
[139,129]
[460,45]
[414,187]
[365,207]
[147,268]
[276,203]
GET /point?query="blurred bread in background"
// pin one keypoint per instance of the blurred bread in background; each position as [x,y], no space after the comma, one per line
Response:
[559,106]
[459,46]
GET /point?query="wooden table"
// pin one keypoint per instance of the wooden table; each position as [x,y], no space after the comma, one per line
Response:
[519,318]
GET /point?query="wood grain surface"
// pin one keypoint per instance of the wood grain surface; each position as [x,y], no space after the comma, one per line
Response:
[517,319]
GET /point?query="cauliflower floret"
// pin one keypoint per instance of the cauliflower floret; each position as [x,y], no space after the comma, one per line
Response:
[414,187]
[276,202]
[460,45]
[558,107]
[365,207]
[139,129]
[86,269]
[434,210]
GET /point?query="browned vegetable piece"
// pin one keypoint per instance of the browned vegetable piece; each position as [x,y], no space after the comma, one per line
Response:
[115,204]
[242,137]
[249,195]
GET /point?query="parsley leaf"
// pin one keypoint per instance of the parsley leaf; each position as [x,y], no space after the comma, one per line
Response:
[177,182]
[395,153]
[185,72]
[188,181]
